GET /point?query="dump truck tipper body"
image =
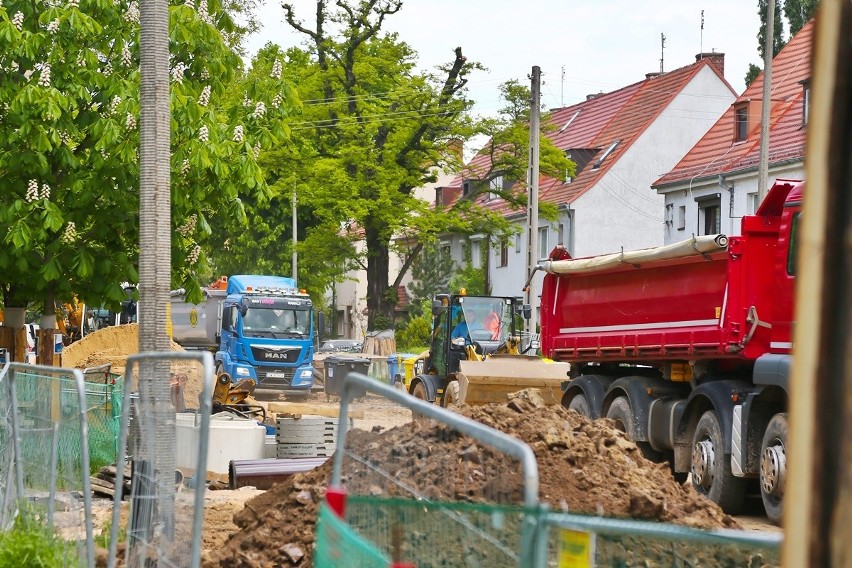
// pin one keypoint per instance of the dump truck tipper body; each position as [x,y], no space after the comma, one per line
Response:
[687,347]
[260,326]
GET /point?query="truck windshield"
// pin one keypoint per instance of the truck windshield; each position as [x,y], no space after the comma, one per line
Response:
[276,322]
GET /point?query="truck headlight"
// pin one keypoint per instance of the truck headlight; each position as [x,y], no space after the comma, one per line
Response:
[243,372]
[306,373]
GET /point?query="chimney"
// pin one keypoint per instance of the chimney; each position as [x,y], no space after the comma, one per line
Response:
[652,74]
[716,59]
[593,96]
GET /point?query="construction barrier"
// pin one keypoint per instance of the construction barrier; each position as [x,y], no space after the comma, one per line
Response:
[384,520]
[488,452]
[44,444]
[165,523]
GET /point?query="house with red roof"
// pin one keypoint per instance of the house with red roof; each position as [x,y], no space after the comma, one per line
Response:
[621,142]
[715,184]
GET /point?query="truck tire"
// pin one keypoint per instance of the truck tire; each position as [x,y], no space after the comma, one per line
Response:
[580,404]
[773,467]
[711,471]
[452,394]
[621,413]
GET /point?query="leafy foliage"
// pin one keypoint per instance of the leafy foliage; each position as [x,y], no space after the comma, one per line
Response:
[797,12]
[31,544]
[416,332]
[69,100]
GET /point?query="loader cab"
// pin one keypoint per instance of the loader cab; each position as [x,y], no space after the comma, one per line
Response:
[461,321]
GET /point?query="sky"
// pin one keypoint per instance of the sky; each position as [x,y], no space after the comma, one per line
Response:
[601,45]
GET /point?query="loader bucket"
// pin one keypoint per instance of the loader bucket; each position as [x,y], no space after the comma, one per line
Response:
[483,382]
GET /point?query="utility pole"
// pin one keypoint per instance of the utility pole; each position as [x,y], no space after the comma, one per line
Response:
[532,199]
[763,166]
[662,50]
[295,274]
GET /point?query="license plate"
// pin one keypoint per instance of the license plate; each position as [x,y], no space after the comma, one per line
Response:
[276,375]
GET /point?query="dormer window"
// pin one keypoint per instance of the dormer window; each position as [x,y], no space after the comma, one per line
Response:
[467,187]
[740,122]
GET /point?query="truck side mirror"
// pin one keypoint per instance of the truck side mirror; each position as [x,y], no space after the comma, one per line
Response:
[526,311]
[243,309]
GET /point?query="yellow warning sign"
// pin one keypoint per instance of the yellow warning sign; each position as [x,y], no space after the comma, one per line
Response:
[193,317]
[576,549]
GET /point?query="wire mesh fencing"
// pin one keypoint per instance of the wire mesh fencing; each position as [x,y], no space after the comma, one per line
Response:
[164,528]
[442,459]
[44,440]
[579,540]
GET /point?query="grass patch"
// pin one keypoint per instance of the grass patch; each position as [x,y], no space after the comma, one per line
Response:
[30,543]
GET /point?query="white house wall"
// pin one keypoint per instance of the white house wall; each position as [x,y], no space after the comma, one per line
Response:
[732,210]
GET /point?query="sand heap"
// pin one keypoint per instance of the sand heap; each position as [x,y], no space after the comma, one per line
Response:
[584,466]
[114,344]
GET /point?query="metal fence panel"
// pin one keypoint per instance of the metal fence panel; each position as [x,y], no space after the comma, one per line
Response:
[44,439]
[166,520]
[579,540]
[339,545]
[445,457]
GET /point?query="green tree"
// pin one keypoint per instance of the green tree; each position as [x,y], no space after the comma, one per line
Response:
[430,272]
[69,144]
[797,12]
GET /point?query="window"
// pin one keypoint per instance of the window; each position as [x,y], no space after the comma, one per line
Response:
[806,102]
[669,219]
[467,187]
[709,214]
[517,243]
[446,250]
[543,248]
[740,123]
[791,253]
[751,203]
[476,254]
[504,255]
[681,218]
[560,235]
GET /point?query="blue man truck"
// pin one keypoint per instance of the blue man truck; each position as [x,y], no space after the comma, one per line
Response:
[260,326]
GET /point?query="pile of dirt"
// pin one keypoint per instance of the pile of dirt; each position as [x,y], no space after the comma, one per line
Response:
[114,344]
[584,467]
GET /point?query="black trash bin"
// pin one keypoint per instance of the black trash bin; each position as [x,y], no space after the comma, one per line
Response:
[336,369]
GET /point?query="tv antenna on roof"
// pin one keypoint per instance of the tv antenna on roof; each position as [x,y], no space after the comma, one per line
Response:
[662,49]
[701,35]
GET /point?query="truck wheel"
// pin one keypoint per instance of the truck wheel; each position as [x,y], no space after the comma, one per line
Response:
[773,467]
[711,472]
[580,404]
[452,394]
[620,412]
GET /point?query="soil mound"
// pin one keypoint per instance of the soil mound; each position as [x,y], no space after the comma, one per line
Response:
[584,467]
[114,344]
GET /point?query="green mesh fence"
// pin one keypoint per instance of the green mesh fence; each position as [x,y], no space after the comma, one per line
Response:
[577,540]
[432,535]
[338,545]
[44,403]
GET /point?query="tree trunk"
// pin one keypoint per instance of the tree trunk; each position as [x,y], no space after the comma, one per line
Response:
[378,265]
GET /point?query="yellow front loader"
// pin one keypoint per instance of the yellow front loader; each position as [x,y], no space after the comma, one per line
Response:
[475,356]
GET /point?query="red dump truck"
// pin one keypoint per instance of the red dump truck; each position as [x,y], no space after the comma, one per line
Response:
[687,348]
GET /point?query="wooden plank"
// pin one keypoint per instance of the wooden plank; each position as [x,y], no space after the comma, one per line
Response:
[307,408]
